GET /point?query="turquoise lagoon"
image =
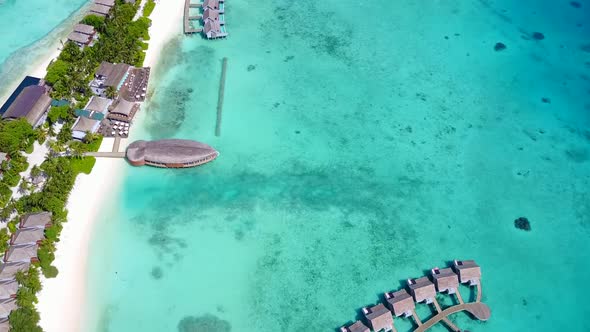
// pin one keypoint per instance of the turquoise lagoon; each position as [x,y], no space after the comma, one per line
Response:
[357,153]
[29,30]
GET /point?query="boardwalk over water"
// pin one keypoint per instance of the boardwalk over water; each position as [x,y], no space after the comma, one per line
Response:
[477,309]
[188,29]
[221,97]
[105,154]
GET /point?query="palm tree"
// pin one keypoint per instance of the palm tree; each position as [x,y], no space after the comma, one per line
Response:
[23,187]
[111,92]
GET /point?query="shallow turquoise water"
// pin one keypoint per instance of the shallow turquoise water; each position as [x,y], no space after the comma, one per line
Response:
[354,155]
[28,30]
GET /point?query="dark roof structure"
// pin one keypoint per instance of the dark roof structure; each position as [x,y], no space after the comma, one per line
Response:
[445,280]
[21,253]
[112,73]
[84,125]
[84,28]
[213,4]
[27,236]
[30,104]
[400,302]
[27,81]
[108,3]
[6,307]
[123,107]
[100,10]
[170,153]
[422,289]
[8,289]
[357,326]
[98,104]
[211,14]
[379,318]
[8,270]
[79,38]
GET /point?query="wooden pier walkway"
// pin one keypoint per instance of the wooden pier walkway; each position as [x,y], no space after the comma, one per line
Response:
[188,29]
[477,309]
[116,144]
[105,154]
[221,97]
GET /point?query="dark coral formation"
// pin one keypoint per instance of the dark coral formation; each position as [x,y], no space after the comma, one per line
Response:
[157,272]
[499,47]
[251,67]
[523,224]
[575,4]
[204,323]
[546,100]
[538,36]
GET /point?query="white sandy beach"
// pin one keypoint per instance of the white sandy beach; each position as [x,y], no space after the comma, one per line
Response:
[62,300]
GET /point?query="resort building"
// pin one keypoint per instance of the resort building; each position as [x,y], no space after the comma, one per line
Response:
[99,10]
[8,289]
[24,253]
[213,4]
[36,220]
[27,81]
[445,280]
[213,15]
[27,236]
[9,270]
[89,119]
[379,318]
[4,325]
[123,110]
[109,75]
[6,307]
[400,303]
[83,35]
[108,3]
[422,290]
[469,271]
[357,326]
[31,104]
[170,153]
[214,30]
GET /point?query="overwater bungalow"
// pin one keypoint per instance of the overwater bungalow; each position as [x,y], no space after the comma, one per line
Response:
[9,270]
[445,280]
[24,253]
[357,326]
[6,307]
[31,104]
[27,236]
[214,4]
[170,153]
[36,220]
[8,289]
[379,318]
[422,290]
[213,15]
[469,271]
[99,10]
[400,303]
[214,30]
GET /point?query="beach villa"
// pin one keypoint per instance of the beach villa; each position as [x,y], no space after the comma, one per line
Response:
[6,307]
[109,75]
[27,236]
[8,270]
[83,35]
[36,220]
[24,253]
[99,10]
[90,117]
[8,289]
[32,104]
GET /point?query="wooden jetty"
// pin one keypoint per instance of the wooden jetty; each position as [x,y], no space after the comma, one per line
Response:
[447,281]
[188,29]
[105,154]
[221,97]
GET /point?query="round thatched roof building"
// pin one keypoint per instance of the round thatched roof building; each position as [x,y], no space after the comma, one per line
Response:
[172,153]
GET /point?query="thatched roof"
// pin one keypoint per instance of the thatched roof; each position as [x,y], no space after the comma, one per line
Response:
[79,37]
[123,107]
[98,104]
[109,3]
[84,28]
[445,279]
[27,236]
[114,73]
[8,270]
[468,271]
[100,10]
[8,289]
[379,317]
[84,124]
[422,289]
[211,14]
[6,307]
[35,220]
[169,151]
[30,104]
[213,4]
[357,326]
[400,302]
[4,325]
[21,253]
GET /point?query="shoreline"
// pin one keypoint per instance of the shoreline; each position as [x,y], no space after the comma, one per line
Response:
[63,300]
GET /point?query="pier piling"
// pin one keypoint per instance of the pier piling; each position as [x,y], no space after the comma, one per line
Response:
[220,97]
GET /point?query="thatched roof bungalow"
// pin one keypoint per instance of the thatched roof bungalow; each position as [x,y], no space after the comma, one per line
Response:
[36,220]
[357,326]
[8,289]
[112,74]
[422,289]
[99,10]
[213,15]
[469,271]
[4,325]
[31,104]
[27,236]
[214,30]
[9,270]
[108,3]
[84,125]
[123,110]
[6,307]
[170,153]
[212,4]
[445,280]
[379,318]
[400,303]
[25,253]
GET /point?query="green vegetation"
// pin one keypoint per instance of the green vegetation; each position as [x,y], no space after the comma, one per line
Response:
[58,113]
[26,317]
[16,135]
[149,8]
[83,165]
[4,238]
